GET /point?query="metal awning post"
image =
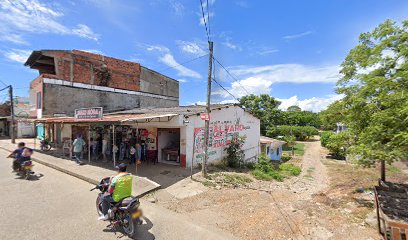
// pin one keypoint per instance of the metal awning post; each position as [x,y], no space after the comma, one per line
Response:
[89,143]
[114,144]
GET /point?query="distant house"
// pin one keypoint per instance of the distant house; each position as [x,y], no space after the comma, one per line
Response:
[271,148]
[341,127]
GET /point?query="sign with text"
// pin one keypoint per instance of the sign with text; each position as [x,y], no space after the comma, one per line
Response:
[205,116]
[89,113]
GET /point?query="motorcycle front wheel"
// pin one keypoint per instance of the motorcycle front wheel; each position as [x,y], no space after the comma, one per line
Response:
[98,205]
[128,225]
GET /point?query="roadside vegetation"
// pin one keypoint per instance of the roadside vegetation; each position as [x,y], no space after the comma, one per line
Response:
[267,171]
[298,149]
[374,107]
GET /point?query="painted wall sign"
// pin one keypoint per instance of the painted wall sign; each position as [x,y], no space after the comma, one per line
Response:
[89,113]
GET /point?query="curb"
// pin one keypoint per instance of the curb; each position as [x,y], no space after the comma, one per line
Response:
[86,179]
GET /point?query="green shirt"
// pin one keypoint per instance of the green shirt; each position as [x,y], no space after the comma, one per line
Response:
[78,144]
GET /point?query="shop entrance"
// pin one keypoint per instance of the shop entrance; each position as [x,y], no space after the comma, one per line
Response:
[168,145]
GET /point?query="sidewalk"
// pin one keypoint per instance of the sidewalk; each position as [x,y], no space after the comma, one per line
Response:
[90,173]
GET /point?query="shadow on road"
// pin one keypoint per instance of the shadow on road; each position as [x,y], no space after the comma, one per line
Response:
[142,231]
[34,177]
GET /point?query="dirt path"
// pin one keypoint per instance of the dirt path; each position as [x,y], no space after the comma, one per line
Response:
[313,178]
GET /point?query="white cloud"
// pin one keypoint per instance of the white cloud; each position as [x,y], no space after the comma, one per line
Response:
[18,17]
[228,41]
[314,104]
[169,60]
[17,55]
[85,32]
[178,7]
[258,80]
[202,23]
[182,80]
[267,51]
[158,48]
[192,48]
[298,35]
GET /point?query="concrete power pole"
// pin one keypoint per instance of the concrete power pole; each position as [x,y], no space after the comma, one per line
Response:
[13,127]
[207,121]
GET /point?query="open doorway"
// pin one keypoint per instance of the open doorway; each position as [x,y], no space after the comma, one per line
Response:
[168,145]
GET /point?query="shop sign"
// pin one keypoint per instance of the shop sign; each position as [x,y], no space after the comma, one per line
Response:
[89,113]
[205,116]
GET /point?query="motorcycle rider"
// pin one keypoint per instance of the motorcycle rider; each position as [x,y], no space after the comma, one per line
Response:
[120,187]
[17,154]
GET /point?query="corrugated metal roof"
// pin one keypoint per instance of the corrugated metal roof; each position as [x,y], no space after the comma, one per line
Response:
[181,110]
[273,142]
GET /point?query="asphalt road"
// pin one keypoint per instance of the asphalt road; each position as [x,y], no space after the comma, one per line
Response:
[54,205]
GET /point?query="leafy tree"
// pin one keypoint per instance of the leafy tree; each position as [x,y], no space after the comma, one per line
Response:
[299,132]
[325,137]
[339,143]
[375,84]
[331,116]
[263,107]
[294,108]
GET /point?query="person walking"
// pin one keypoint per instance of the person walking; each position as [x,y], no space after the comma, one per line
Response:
[78,145]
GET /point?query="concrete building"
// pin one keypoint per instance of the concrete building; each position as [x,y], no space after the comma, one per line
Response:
[72,79]
[169,135]
[271,148]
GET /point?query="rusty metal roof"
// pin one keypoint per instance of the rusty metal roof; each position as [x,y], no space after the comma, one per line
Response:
[273,142]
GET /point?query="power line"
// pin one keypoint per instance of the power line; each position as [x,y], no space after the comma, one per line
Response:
[205,22]
[219,84]
[208,18]
[3,83]
[233,77]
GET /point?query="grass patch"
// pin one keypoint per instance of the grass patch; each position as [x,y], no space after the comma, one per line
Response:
[299,149]
[265,170]
[236,179]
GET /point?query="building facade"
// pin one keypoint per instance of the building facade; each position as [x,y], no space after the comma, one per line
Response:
[72,79]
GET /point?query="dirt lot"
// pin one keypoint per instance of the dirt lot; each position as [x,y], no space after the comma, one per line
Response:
[329,200]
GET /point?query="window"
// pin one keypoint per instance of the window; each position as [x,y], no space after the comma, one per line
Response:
[39,100]
[277,151]
[267,150]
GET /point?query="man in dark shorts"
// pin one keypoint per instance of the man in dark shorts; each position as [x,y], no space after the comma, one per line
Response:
[18,155]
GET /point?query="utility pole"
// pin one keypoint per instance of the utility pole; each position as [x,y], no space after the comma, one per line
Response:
[207,120]
[13,128]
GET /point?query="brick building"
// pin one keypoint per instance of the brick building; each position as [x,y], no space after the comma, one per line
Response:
[71,79]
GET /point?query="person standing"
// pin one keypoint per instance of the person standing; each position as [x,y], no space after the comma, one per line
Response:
[78,145]
[132,155]
[105,147]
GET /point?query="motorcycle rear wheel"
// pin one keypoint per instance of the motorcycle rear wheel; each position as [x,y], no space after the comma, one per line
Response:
[130,227]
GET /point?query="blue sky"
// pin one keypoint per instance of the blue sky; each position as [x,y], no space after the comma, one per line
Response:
[289,49]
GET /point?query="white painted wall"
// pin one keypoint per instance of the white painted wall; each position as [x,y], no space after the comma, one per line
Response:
[236,120]
[25,129]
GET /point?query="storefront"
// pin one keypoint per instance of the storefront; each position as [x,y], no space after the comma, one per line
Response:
[167,135]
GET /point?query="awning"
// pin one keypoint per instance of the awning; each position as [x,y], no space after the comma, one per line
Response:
[109,119]
[273,142]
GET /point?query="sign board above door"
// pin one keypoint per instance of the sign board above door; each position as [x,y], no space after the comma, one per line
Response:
[205,116]
[89,113]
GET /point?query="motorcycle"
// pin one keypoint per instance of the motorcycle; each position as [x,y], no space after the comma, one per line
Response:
[125,213]
[45,145]
[25,169]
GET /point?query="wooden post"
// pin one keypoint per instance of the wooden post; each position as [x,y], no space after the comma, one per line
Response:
[13,124]
[35,134]
[208,110]
[383,170]
[192,159]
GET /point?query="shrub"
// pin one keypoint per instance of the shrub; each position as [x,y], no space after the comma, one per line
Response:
[290,169]
[324,137]
[338,144]
[299,132]
[285,158]
[235,154]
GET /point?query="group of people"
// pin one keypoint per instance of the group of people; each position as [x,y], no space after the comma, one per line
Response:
[20,155]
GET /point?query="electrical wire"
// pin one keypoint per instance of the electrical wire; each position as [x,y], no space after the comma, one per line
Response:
[219,84]
[233,77]
[205,22]
[3,83]
[208,18]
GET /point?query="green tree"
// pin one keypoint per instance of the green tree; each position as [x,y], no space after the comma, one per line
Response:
[332,115]
[263,107]
[294,108]
[375,84]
